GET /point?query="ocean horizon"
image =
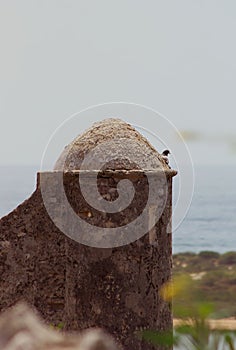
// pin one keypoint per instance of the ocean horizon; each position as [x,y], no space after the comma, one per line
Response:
[210,223]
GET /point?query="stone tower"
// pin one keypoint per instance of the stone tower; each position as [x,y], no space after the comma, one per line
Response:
[86,266]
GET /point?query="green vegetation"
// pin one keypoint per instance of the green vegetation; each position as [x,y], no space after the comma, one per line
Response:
[203,288]
[193,335]
[58,327]
[214,276]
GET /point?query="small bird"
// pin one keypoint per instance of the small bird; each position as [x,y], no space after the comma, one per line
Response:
[164,155]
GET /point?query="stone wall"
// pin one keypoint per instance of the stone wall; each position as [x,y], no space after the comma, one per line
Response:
[81,286]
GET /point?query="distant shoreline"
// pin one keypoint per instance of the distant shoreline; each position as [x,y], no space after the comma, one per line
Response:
[221,324]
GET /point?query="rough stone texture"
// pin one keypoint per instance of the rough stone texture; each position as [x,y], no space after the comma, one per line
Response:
[123,285]
[113,132]
[32,260]
[21,328]
[116,288]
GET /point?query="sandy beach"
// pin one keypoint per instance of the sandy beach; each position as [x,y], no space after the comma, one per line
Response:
[224,323]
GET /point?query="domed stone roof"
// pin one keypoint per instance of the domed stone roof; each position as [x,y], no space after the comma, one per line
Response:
[116,144]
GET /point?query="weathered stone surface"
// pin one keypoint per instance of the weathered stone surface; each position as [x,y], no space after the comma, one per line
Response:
[22,329]
[33,265]
[116,289]
[117,136]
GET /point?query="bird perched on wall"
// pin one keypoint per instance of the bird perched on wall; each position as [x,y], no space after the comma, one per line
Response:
[164,155]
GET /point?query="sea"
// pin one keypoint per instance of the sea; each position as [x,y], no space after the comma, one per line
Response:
[210,223]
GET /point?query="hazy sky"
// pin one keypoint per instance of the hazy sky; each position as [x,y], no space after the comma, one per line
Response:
[60,56]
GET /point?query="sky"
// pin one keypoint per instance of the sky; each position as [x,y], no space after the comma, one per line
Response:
[61,56]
